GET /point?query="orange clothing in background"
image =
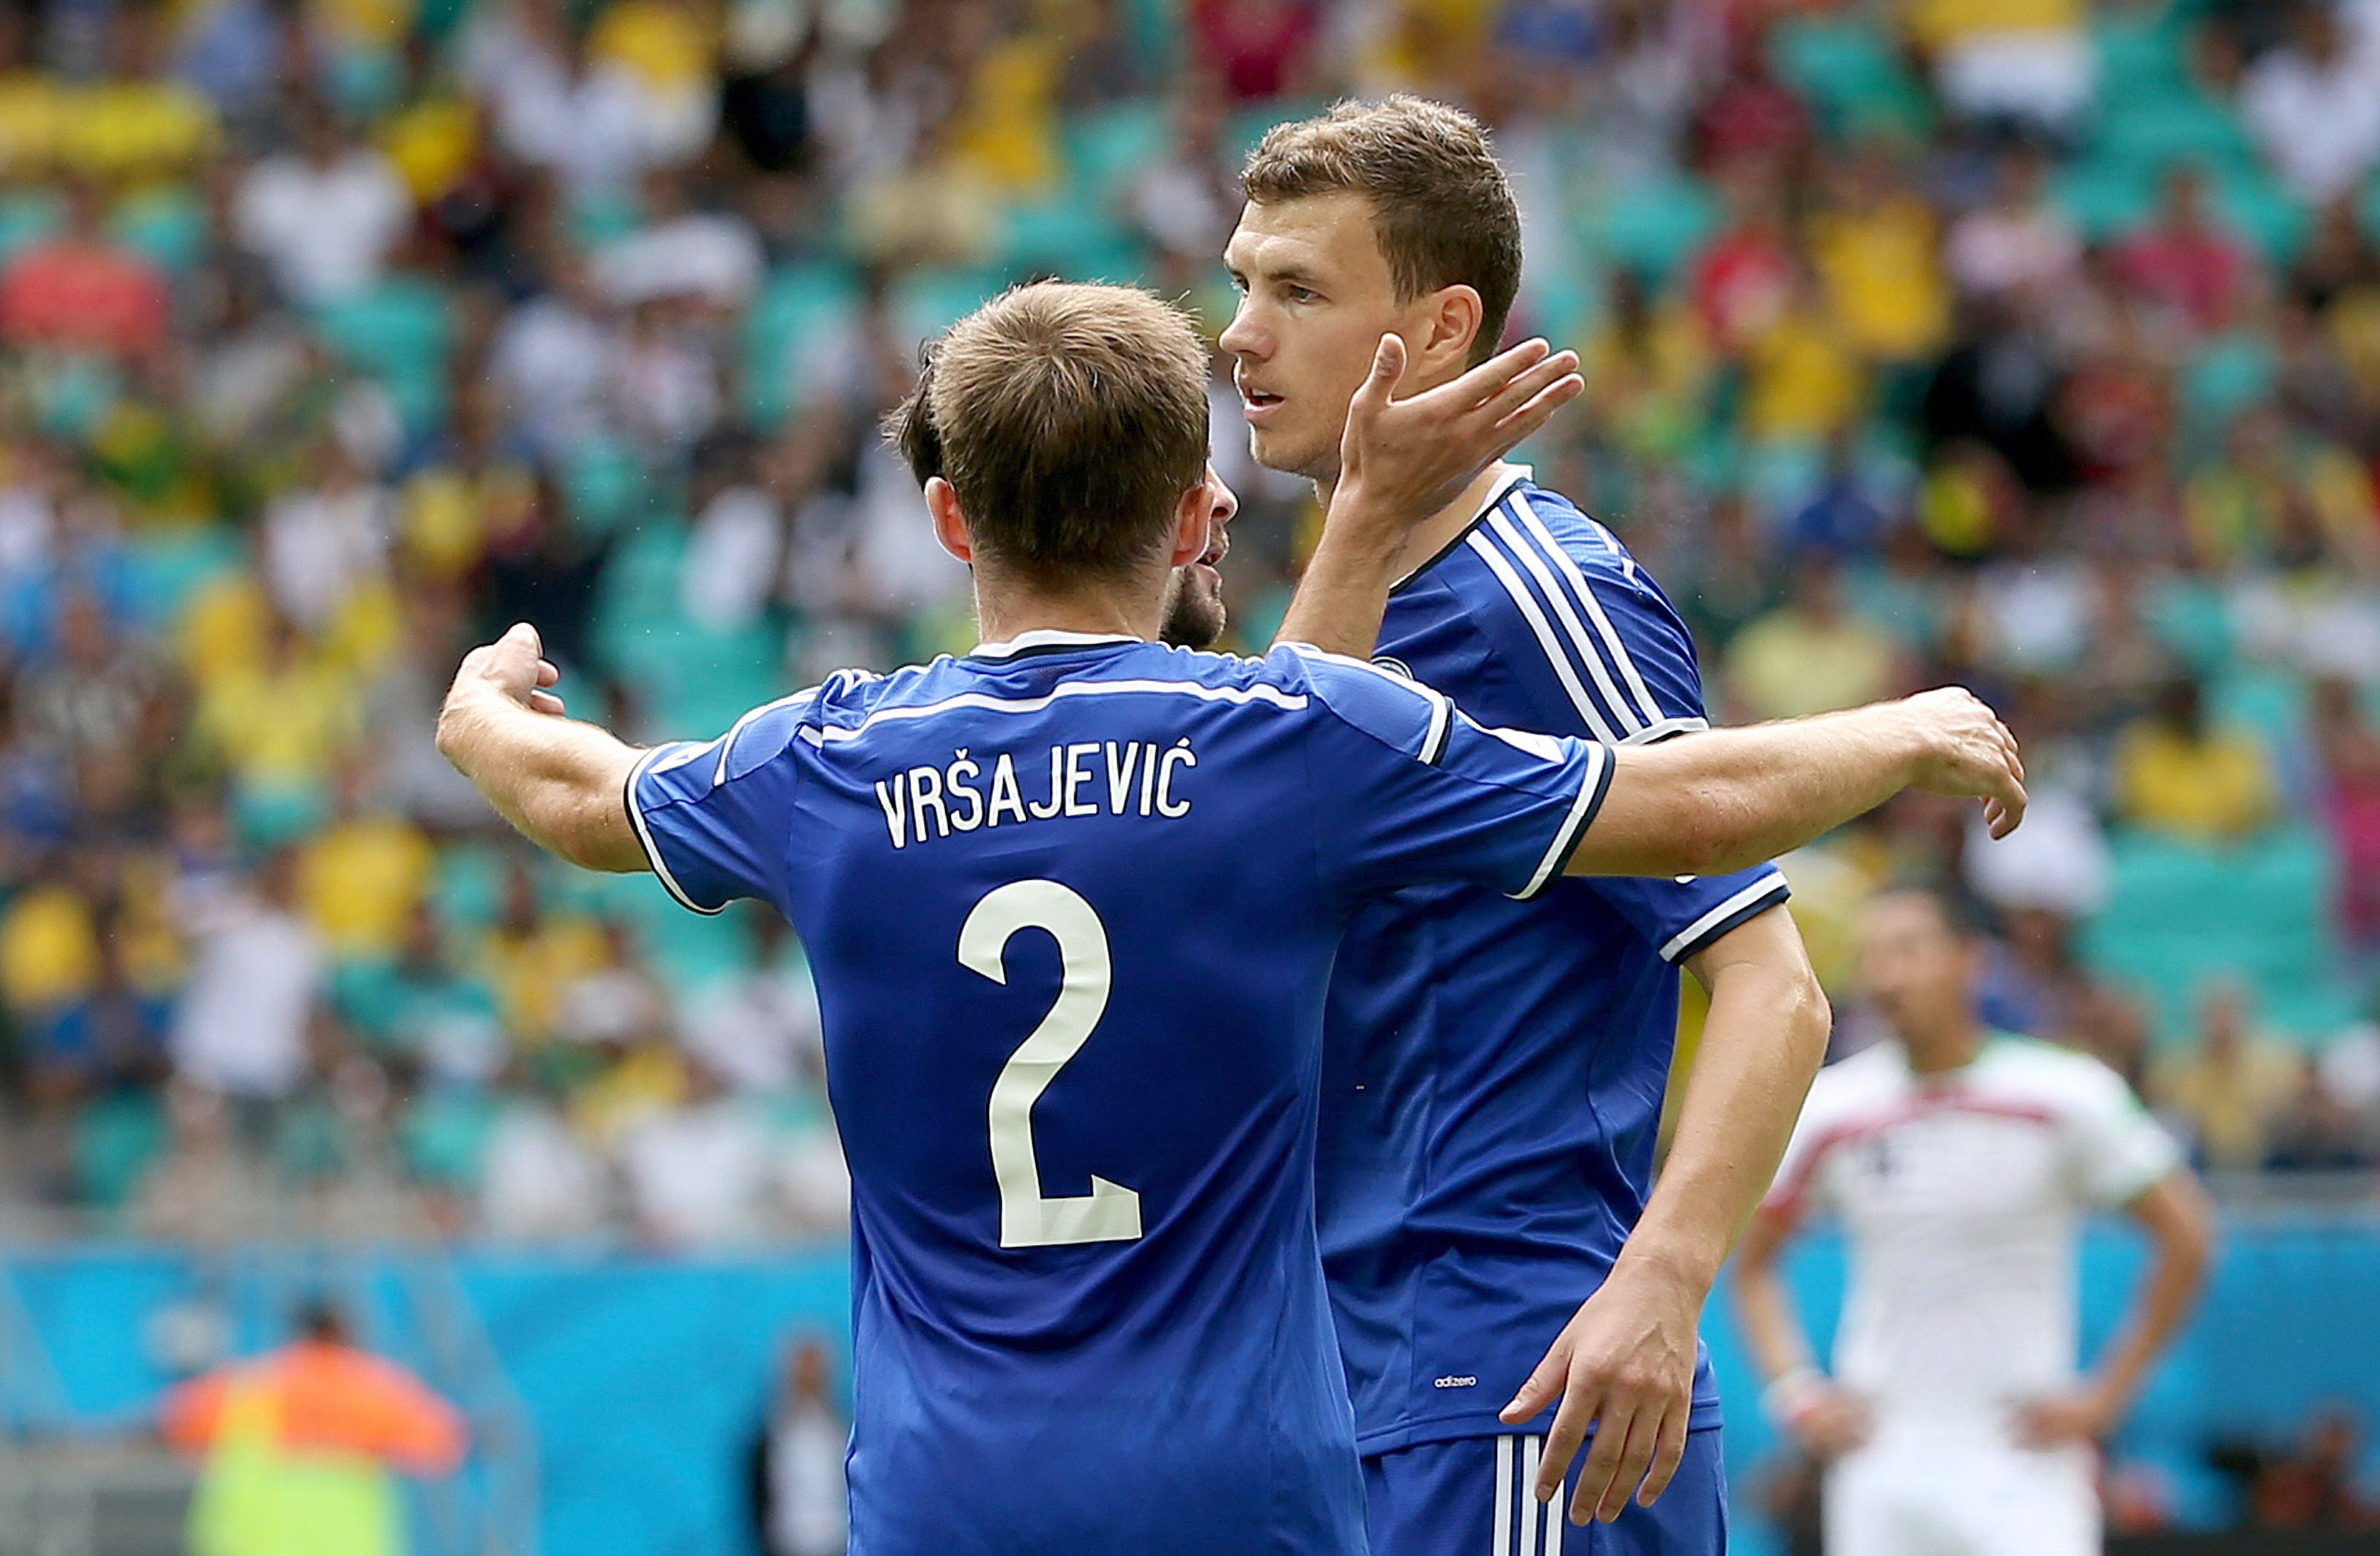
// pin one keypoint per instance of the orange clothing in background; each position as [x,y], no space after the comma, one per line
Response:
[328,1399]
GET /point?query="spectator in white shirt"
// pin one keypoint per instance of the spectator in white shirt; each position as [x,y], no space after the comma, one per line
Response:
[2018,244]
[707,257]
[323,217]
[700,1174]
[759,1030]
[2313,105]
[554,356]
[241,1025]
[323,541]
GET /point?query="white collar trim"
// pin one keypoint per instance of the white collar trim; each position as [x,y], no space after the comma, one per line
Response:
[1046,637]
[1508,476]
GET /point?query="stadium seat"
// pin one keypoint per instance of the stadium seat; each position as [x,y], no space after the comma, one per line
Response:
[166,225]
[2181,914]
[1651,226]
[27,216]
[399,332]
[796,302]
[1110,146]
[1847,68]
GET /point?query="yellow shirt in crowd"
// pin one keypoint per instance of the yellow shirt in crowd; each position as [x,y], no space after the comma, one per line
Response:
[359,880]
[1883,279]
[2213,789]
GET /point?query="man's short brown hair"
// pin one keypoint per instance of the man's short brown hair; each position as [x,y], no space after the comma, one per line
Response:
[1443,210]
[1070,418]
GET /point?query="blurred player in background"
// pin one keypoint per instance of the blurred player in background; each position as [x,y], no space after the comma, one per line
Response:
[1963,1161]
[1495,1069]
[1072,901]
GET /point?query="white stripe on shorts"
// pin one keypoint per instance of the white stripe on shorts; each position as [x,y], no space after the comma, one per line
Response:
[1499,1542]
[1529,1446]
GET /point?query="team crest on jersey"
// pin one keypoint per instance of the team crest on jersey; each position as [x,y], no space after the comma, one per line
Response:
[1395,666]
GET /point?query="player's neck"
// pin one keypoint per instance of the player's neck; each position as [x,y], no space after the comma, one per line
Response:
[1434,534]
[1006,612]
[1944,1051]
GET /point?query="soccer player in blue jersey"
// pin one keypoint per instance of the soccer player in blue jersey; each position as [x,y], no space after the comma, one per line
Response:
[1072,901]
[1495,1069]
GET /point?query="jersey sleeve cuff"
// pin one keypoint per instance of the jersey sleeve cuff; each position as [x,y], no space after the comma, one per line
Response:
[1592,787]
[1732,914]
[644,836]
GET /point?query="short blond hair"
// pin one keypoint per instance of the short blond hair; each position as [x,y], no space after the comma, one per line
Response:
[1443,210]
[1070,417]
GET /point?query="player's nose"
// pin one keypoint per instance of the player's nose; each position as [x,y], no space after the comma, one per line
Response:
[1243,339]
[1226,501]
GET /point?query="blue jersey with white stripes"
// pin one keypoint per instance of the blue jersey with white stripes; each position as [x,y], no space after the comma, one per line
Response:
[1071,904]
[1494,1069]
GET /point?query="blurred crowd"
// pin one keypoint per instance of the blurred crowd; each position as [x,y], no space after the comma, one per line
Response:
[2030,343]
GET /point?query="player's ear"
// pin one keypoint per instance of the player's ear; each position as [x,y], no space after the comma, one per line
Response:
[949,521]
[1193,524]
[1455,317]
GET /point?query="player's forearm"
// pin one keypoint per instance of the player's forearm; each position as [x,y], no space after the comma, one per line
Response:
[1761,1045]
[556,780]
[1764,1308]
[1344,591]
[1709,803]
[2182,1226]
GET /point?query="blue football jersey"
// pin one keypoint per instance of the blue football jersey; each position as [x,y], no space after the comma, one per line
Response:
[1071,904]
[1494,1070]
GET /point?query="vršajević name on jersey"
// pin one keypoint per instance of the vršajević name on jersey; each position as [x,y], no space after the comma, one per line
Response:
[1086,778]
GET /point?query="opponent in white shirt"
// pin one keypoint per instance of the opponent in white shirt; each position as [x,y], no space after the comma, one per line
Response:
[1962,1162]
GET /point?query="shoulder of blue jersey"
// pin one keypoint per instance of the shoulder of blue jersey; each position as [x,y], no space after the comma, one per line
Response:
[1570,594]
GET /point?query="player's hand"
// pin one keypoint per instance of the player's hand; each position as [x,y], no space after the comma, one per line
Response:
[1401,461]
[2059,1420]
[1624,1363]
[515,666]
[1828,1422]
[1964,751]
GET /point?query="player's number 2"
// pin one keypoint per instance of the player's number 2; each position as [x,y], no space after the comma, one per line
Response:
[1109,1213]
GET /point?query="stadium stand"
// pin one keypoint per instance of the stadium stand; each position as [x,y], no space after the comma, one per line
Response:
[340,333]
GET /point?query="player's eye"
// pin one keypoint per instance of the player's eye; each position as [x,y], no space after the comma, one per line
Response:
[1239,284]
[1301,295]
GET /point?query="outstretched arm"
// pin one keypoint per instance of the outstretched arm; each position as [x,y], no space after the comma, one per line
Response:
[1625,1361]
[559,781]
[1706,804]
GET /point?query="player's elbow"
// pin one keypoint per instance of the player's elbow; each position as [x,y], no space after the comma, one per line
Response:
[2186,1234]
[1810,1017]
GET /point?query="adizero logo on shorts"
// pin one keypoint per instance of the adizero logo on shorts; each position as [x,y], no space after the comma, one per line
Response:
[1451,1381]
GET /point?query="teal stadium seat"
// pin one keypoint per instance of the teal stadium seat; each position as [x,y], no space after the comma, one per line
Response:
[166,225]
[399,332]
[1848,68]
[928,302]
[1107,148]
[27,217]
[1069,236]
[1652,225]
[796,303]
[2181,914]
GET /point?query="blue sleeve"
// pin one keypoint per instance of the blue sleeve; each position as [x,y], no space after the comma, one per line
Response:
[1683,916]
[1604,654]
[714,817]
[1412,791]
[1598,650]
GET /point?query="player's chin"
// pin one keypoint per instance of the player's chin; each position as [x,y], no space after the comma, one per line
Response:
[1286,450]
[1195,618]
